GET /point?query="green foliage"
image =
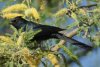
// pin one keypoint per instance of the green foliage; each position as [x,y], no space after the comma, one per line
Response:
[70,54]
[12,54]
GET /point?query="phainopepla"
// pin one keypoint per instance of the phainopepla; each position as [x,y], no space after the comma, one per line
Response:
[47,32]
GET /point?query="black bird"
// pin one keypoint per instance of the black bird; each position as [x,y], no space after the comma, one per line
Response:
[47,32]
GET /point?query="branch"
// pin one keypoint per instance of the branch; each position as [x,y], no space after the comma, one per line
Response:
[62,42]
[88,6]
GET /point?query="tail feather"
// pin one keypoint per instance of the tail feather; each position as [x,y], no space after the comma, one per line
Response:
[78,43]
[73,41]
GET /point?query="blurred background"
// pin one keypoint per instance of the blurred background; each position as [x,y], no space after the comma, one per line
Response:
[48,9]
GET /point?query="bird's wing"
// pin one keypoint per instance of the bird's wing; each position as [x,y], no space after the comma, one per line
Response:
[73,41]
[48,28]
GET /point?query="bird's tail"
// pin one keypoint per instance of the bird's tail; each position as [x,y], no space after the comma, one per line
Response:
[73,41]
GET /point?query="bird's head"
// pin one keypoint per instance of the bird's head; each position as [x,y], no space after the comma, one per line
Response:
[18,22]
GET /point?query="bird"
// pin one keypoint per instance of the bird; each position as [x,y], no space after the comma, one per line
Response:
[47,31]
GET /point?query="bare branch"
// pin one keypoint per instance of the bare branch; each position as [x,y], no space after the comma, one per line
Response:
[62,42]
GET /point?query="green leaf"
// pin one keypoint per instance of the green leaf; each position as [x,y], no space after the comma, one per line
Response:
[70,54]
[11,64]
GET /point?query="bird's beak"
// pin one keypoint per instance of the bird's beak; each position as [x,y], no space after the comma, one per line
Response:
[11,21]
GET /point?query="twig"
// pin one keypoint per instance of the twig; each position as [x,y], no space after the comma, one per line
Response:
[88,6]
[62,42]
